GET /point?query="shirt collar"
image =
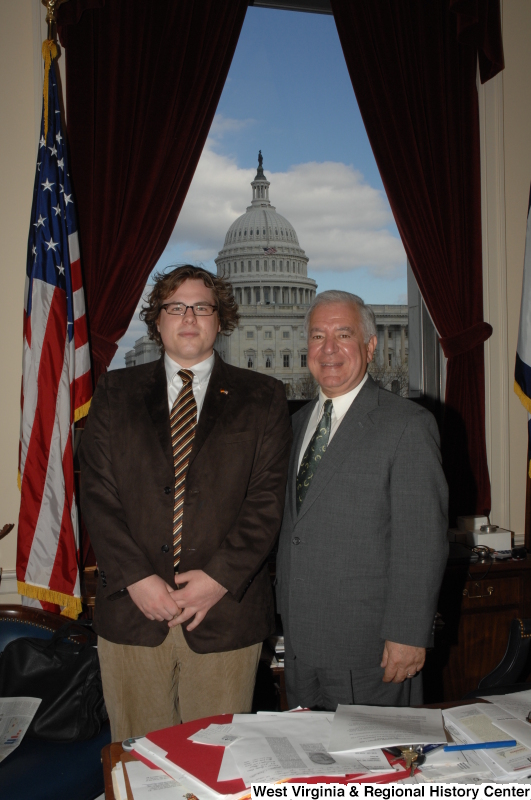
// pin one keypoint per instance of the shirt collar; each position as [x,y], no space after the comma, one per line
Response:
[202,371]
[342,403]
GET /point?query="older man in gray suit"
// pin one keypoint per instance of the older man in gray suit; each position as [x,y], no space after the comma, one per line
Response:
[363,542]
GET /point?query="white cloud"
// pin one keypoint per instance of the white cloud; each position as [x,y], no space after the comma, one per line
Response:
[223,125]
[341,221]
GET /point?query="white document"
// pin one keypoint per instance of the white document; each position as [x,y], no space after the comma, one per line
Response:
[514,728]
[228,770]
[118,782]
[307,735]
[16,714]
[476,726]
[367,727]
[225,735]
[273,759]
[145,781]
[440,766]
[518,704]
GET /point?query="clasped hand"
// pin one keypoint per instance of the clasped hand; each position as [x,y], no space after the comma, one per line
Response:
[196,593]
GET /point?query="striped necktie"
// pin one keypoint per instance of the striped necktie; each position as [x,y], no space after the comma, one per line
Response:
[183,421]
[314,453]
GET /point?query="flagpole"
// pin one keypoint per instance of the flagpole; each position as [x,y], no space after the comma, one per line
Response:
[52,6]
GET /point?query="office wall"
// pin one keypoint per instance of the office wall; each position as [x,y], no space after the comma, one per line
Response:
[509,161]
[517,152]
[17,154]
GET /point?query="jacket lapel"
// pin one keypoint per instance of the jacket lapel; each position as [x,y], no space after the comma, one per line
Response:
[218,391]
[156,399]
[355,426]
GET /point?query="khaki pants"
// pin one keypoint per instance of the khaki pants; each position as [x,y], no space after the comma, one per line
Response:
[148,688]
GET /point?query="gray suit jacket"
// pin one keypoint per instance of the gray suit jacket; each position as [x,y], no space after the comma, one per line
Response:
[364,559]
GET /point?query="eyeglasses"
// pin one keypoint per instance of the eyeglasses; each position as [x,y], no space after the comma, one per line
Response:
[198,309]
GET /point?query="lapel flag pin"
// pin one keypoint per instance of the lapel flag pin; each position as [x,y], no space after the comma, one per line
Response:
[223,391]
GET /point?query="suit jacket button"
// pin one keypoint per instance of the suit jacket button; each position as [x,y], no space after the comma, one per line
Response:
[296,540]
[165,548]
[167,490]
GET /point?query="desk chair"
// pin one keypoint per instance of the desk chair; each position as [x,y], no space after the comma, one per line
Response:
[502,679]
[41,769]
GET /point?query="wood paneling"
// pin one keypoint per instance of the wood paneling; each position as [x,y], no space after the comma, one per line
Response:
[477,603]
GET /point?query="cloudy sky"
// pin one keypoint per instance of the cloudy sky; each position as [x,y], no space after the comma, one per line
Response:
[289,94]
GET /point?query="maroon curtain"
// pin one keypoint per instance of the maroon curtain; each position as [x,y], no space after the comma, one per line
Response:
[143,83]
[415,82]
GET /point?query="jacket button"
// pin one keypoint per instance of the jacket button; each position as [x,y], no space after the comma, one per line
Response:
[167,490]
[296,540]
[165,548]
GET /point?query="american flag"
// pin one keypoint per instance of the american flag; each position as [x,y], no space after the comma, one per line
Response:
[56,381]
[269,251]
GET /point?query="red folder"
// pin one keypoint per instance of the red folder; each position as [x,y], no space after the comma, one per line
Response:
[204,761]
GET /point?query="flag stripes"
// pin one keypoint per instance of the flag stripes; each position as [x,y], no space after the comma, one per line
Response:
[56,380]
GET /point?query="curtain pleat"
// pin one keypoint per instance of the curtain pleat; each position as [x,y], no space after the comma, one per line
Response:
[143,84]
[415,82]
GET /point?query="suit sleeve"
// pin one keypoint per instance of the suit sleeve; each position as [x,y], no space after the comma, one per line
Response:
[418,542]
[249,541]
[119,557]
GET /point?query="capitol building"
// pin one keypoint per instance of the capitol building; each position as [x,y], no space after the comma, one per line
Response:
[268,270]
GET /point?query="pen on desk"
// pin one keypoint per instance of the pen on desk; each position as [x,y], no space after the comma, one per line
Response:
[450,748]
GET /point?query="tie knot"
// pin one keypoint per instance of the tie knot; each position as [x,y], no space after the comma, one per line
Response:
[186,375]
[327,408]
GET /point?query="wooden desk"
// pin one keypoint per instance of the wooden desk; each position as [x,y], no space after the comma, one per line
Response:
[477,603]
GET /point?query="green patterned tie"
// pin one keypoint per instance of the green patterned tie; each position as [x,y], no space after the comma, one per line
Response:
[314,453]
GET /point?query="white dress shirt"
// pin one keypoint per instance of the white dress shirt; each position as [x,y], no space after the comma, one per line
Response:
[202,373]
[340,406]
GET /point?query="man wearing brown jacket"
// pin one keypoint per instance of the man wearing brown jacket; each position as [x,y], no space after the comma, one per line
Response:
[183,469]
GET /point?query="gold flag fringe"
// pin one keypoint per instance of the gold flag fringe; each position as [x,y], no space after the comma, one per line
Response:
[49,52]
[82,411]
[71,605]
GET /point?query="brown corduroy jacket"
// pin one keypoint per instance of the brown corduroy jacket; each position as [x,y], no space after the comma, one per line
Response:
[232,509]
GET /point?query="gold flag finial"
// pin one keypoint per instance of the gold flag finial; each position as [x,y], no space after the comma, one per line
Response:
[49,50]
[52,7]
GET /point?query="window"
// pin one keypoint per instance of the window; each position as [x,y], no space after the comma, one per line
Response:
[257,294]
[265,265]
[257,266]
[268,362]
[303,360]
[268,334]
[280,266]
[285,359]
[250,334]
[274,265]
[250,362]
[241,266]
[287,266]
[248,266]
[390,359]
[285,334]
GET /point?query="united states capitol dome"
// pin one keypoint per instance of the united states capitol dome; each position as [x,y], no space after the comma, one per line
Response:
[262,242]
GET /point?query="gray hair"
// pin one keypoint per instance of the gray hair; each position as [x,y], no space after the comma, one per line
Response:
[368,320]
